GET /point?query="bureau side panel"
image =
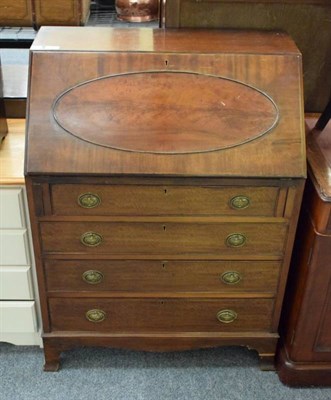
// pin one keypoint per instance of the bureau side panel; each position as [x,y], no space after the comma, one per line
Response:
[35,201]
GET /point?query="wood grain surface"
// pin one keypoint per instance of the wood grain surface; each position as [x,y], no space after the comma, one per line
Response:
[155,315]
[167,199]
[162,238]
[12,154]
[171,276]
[283,147]
[165,112]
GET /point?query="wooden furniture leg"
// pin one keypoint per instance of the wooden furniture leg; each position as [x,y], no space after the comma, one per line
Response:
[52,357]
[267,362]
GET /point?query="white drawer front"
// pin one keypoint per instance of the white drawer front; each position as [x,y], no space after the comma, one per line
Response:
[11,208]
[17,316]
[15,283]
[14,247]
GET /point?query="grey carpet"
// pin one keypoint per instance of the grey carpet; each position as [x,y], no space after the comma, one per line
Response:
[227,373]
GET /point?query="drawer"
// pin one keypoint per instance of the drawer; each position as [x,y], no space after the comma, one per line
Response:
[71,199]
[18,316]
[11,209]
[14,247]
[167,276]
[226,239]
[15,283]
[160,315]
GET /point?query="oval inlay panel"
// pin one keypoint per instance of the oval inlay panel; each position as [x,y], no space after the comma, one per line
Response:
[165,112]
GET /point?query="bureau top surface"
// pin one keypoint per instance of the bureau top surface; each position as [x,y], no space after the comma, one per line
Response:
[100,39]
[155,102]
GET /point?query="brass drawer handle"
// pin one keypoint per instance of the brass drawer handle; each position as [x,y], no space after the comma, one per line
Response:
[231,277]
[89,200]
[92,277]
[240,202]
[91,239]
[235,240]
[95,315]
[226,316]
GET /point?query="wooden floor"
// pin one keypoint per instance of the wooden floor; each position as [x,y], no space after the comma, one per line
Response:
[12,154]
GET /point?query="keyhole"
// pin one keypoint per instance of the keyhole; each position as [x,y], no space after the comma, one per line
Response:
[164,227]
[165,191]
[166,63]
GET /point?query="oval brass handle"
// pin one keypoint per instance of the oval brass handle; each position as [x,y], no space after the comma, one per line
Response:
[231,277]
[226,316]
[92,277]
[240,202]
[95,315]
[91,239]
[89,200]
[236,240]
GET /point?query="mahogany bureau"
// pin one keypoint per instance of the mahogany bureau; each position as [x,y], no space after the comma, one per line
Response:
[164,172]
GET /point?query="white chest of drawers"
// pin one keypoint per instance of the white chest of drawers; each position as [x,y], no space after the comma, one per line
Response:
[19,306]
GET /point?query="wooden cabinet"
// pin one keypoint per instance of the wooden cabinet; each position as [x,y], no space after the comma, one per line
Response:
[164,177]
[306,21]
[16,13]
[43,12]
[61,12]
[304,356]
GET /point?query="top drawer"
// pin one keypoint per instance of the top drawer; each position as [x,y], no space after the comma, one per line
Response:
[11,208]
[74,199]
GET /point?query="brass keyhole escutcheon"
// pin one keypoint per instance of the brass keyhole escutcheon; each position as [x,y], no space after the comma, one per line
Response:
[91,239]
[235,240]
[92,277]
[89,200]
[226,316]
[95,315]
[231,277]
[239,202]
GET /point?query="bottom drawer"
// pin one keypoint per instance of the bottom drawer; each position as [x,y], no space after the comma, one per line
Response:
[160,315]
[18,316]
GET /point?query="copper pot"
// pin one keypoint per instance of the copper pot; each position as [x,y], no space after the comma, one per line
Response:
[137,10]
